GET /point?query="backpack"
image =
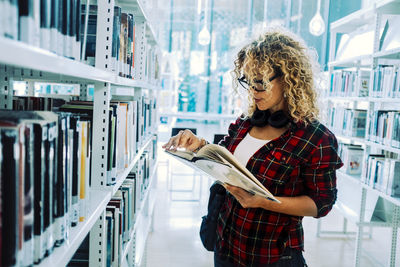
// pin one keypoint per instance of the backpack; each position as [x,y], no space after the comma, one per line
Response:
[208,227]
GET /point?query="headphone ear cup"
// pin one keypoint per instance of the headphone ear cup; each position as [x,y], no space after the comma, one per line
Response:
[260,118]
[278,119]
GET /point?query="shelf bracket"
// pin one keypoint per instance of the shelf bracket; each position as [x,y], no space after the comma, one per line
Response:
[97,246]
[140,49]
[101,111]
[395,227]
[6,87]
[104,34]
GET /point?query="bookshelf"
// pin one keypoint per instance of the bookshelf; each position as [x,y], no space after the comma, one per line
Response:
[21,61]
[364,198]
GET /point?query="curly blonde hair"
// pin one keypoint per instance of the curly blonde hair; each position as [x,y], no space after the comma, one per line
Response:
[280,51]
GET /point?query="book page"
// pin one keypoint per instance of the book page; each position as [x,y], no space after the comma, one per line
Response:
[184,154]
[212,150]
[230,175]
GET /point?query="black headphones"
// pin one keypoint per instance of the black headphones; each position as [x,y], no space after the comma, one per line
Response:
[261,118]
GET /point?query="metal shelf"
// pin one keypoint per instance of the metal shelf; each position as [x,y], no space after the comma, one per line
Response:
[390,54]
[356,139]
[346,98]
[63,254]
[358,61]
[15,53]
[394,200]
[384,99]
[365,16]
[353,21]
[351,215]
[384,147]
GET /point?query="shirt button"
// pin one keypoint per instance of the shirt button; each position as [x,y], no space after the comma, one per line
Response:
[271,145]
[283,158]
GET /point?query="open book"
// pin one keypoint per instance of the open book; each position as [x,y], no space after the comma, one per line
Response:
[220,164]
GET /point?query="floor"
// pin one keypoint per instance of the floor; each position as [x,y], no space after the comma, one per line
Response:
[175,241]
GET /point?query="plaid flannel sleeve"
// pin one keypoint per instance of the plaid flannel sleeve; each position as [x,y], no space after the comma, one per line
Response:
[320,174]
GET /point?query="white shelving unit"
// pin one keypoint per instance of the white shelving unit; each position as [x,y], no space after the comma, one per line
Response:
[20,61]
[362,21]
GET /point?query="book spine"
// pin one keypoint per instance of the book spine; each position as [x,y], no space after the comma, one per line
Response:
[61,21]
[69,177]
[60,183]
[77,19]
[40,137]
[45,24]
[115,38]
[75,172]
[72,29]
[10,19]
[28,248]
[52,178]
[82,172]
[26,21]
[66,28]
[10,191]
[54,20]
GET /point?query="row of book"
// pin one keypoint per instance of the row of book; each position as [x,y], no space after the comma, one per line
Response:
[130,123]
[45,176]
[386,82]
[51,25]
[122,210]
[383,174]
[346,83]
[59,27]
[352,158]
[348,122]
[384,128]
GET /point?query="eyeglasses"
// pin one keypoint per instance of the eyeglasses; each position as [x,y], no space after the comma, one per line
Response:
[257,85]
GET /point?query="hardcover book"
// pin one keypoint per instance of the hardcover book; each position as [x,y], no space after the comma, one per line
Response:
[219,163]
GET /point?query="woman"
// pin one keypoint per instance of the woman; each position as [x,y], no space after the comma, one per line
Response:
[281,142]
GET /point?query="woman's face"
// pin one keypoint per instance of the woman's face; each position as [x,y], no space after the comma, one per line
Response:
[272,99]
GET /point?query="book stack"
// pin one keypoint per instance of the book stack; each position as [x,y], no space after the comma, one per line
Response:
[384,128]
[383,174]
[348,122]
[346,83]
[386,82]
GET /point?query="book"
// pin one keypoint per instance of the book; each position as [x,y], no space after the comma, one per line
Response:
[220,164]
[10,191]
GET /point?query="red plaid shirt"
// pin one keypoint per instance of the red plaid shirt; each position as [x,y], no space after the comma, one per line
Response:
[303,161]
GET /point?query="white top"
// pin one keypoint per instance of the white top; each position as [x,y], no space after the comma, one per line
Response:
[247,147]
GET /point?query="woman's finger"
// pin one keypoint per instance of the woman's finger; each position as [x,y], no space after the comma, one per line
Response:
[184,138]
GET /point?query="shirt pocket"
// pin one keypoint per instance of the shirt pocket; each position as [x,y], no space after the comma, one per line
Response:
[280,166]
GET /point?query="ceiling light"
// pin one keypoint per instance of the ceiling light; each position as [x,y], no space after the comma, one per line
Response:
[317,24]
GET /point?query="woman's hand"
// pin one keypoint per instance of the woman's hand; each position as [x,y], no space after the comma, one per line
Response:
[245,199]
[184,139]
